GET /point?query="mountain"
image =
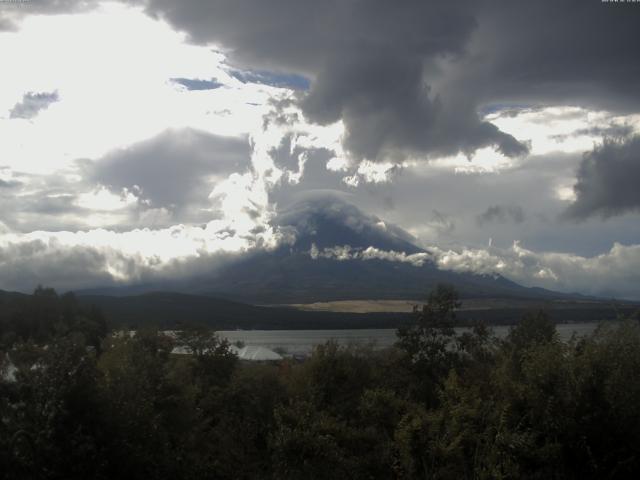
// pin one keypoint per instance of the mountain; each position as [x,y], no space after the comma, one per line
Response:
[295,277]
[329,221]
[325,262]
[303,272]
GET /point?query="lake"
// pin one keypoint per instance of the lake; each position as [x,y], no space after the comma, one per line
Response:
[302,341]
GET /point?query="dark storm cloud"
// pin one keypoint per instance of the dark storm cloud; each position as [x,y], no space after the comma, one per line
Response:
[32,104]
[379,65]
[368,61]
[390,111]
[303,34]
[501,214]
[607,180]
[567,52]
[12,12]
[173,169]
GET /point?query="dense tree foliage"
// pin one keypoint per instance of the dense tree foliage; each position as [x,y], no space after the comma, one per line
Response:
[79,402]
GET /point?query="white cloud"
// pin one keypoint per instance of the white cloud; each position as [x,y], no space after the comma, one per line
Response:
[560,128]
[112,89]
[372,172]
[104,257]
[484,160]
[565,192]
[613,273]
[346,252]
[616,272]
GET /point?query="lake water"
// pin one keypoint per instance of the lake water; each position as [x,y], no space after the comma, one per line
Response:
[301,342]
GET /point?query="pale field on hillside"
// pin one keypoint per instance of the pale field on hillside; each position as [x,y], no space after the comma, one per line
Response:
[404,306]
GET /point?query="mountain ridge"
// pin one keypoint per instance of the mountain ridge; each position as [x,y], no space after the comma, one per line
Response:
[299,272]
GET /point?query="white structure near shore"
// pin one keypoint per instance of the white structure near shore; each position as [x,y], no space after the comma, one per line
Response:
[252,353]
[256,353]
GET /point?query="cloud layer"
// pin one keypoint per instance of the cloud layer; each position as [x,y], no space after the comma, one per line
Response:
[373,65]
[607,182]
[175,170]
[411,78]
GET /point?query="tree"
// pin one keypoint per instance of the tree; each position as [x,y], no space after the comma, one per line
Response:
[429,342]
[45,315]
[54,422]
[535,328]
[142,405]
[210,358]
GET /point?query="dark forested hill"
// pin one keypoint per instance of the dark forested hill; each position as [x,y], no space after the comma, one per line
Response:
[170,310]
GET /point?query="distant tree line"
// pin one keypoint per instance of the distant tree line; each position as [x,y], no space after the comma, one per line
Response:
[78,402]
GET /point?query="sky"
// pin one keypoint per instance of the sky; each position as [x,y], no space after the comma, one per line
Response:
[151,139]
